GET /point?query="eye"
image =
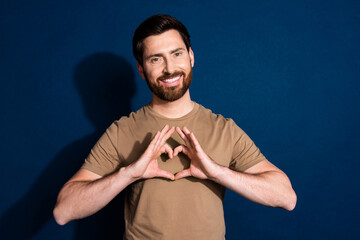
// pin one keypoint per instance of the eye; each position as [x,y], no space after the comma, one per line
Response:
[155,60]
[178,54]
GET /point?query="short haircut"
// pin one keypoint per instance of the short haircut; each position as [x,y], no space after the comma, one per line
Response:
[156,25]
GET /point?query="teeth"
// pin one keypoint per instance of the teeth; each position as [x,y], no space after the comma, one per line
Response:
[170,80]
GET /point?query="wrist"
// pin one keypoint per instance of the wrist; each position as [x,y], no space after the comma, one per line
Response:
[218,172]
[127,174]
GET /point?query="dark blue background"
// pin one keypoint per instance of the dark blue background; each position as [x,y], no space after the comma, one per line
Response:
[286,71]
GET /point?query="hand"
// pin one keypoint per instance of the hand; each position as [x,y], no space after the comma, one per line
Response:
[147,166]
[201,165]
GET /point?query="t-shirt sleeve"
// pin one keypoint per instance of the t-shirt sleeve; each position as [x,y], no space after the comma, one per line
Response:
[104,158]
[245,153]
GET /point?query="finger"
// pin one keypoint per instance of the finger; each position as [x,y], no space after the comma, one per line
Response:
[182,174]
[188,133]
[177,150]
[181,148]
[162,133]
[195,142]
[162,141]
[154,141]
[165,128]
[180,132]
[169,150]
[186,130]
[183,137]
[167,135]
[165,174]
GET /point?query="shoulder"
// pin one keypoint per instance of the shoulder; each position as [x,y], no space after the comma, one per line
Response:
[216,118]
[132,118]
[218,124]
[125,124]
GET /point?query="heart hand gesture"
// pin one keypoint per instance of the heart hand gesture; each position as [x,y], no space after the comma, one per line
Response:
[201,166]
[146,166]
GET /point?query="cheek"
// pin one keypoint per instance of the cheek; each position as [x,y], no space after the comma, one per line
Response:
[153,73]
[187,63]
[186,66]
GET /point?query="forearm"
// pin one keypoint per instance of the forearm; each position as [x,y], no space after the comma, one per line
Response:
[269,188]
[79,199]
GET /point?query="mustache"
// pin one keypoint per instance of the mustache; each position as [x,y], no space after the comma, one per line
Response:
[168,75]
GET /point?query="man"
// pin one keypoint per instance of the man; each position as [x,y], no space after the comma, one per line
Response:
[176,181]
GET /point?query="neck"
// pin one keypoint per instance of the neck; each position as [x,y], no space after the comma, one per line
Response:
[175,109]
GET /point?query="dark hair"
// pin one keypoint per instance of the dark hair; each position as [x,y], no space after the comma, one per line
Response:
[155,25]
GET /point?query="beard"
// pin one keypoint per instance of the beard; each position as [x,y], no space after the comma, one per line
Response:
[170,94]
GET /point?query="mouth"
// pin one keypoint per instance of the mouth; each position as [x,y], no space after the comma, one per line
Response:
[173,81]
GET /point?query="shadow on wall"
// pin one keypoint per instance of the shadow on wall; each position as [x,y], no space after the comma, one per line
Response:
[106,85]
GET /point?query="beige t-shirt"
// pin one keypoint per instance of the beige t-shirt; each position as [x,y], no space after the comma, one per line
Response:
[187,208]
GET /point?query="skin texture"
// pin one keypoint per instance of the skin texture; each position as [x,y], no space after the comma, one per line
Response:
[165,56]
[263,183]
[170,55]
[86,192]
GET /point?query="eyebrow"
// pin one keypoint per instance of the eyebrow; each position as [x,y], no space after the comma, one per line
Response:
[176,50]
[160,54]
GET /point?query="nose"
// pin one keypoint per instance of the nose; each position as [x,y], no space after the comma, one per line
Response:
[169,66]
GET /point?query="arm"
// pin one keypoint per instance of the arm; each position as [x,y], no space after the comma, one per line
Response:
[263,183]
[86,192]
[80,196]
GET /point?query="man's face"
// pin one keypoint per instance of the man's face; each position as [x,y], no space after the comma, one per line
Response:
[167,65]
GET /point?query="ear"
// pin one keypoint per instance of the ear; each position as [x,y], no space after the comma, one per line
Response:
[192,59]
[141,70]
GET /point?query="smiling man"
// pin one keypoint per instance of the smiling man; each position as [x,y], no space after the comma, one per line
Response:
[175,156]
[173,82]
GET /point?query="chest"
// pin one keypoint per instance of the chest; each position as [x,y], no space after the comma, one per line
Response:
[216,144]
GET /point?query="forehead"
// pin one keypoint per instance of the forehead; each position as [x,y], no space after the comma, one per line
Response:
[162,43]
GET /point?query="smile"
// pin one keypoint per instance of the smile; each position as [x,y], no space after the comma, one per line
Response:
[170,82]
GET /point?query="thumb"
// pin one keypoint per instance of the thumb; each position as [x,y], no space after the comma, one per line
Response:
[165,174]
[182,174]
